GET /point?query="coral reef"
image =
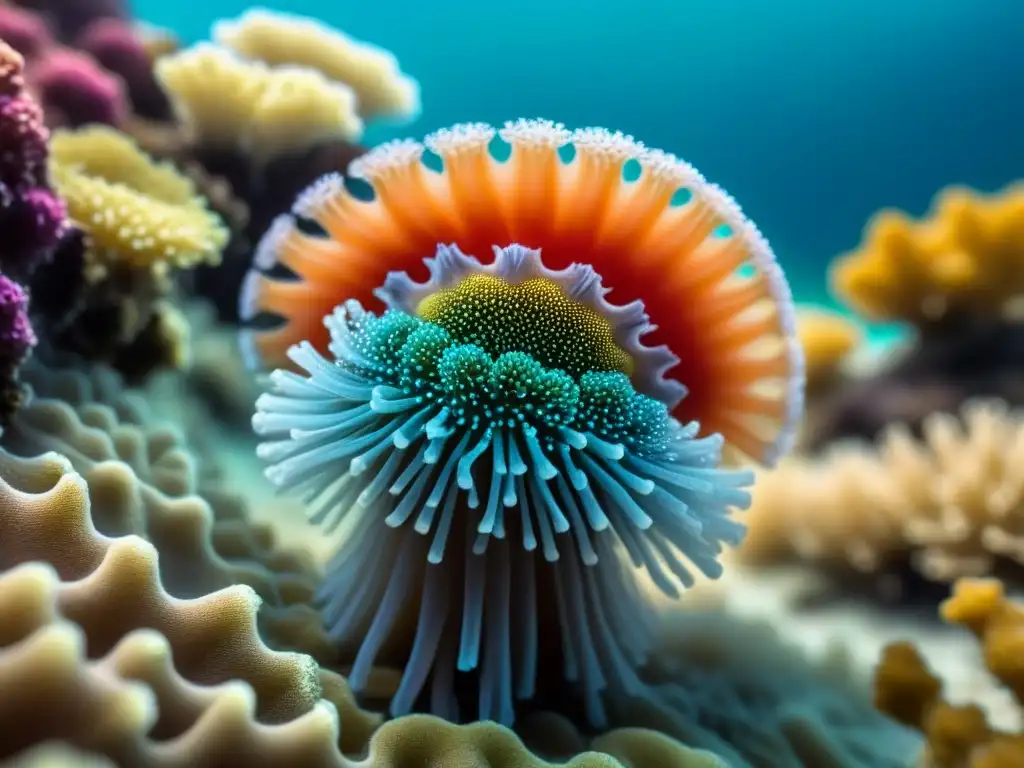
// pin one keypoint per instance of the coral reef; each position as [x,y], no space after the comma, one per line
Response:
[298,101]
[951,504]
[141,222]
[955,277]
[733,351]
[960,736]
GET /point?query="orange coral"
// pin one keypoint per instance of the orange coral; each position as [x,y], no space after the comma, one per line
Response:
[960,736]
[706,276]
[967,257]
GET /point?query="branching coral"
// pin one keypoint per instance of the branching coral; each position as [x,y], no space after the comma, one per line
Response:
[960,736]
[282,39]
[952,503]
[724,335]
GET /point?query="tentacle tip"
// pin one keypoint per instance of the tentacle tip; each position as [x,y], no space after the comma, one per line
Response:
[312,200]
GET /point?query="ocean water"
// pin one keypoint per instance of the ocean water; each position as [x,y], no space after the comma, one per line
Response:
[813,115]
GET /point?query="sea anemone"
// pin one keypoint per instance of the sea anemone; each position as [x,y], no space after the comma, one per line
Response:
[722,325]
[483,457]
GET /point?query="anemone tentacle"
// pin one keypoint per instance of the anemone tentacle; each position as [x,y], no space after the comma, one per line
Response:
[475,487]
[721,315]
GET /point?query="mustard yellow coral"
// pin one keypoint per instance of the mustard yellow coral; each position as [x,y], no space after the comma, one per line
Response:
[827,338]
[966,256]
[229,102]
[960,736]
[952,502]
[135,212]
[284,39]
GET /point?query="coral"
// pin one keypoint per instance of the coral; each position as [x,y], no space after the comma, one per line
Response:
[228,102]
[32,218]
[951,503]
[74,90]
[827,339]
[24,31]
[960,736]
[376,431]
[70,18]
[119,48]
[731,330]
[964,259]
[280,39]
[137,213]
[16,342]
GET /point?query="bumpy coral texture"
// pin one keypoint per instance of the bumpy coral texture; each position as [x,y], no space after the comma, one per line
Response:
[951,503]
[137,213]
[669,239]
[963,259]
[32,218]
[228,102]
[445,426]
[959,736]
[280,39]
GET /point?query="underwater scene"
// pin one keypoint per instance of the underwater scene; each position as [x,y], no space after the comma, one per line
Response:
[386,387]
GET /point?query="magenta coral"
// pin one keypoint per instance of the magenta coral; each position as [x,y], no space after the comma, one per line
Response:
[16,336]
[75,90]
[69,17]
[23,138]
[24,31]
[117,46]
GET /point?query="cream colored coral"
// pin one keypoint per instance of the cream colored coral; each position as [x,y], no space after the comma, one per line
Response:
[965,257]
[136,213]
[952,503]
[285,39]
[227,101]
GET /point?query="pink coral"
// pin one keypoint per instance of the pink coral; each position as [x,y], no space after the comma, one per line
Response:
[74,90]
[117,46]
[24,31]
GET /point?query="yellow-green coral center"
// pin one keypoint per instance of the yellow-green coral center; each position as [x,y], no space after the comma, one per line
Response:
[535,317]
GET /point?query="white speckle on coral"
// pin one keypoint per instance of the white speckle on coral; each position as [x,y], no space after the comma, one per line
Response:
[312,199]
[386,158]
[604,144]
[464,137]
[535,133]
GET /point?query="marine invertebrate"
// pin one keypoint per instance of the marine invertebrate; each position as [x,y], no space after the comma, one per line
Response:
[950,503]
[140,222]
[282,39]
[230,103]
[827,339]
[964,259]
[74,90]
[32,218]
[119,48]
[16,342]
[722,319]
[959,736]
[426,433]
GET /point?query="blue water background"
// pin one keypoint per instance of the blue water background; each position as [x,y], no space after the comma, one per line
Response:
[812,114]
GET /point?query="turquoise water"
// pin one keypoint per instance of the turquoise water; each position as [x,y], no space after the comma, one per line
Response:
[811,114]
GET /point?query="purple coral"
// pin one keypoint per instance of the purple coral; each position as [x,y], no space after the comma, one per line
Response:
[32,217]
[25,31]
[16,335]
[75,90]
[116,45]
[69,17]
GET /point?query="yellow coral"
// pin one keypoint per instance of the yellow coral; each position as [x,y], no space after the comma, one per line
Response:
[967,256]
[827,338]
[227,101]
[283,39]
[953,502]
[136,213]
[960,736]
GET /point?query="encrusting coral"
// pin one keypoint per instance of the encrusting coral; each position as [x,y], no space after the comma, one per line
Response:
[951,503]
[960,736]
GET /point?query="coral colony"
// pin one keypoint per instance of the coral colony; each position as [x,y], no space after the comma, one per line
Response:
[531,406]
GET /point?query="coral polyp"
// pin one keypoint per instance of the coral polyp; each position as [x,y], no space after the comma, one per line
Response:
[498,500]
[720,348]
